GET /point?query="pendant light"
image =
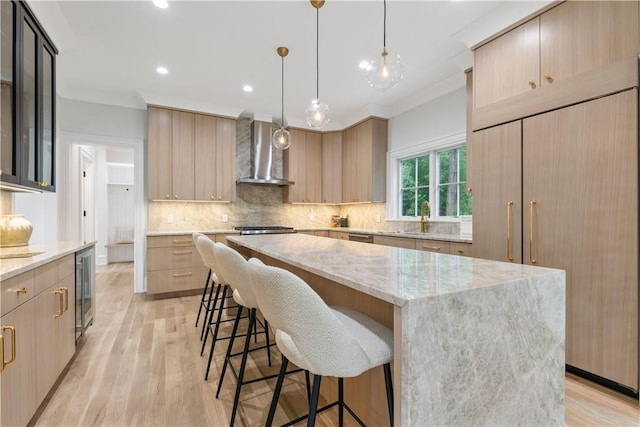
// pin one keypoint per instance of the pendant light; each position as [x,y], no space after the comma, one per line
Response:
[281,138]
[317,113]
[386,71]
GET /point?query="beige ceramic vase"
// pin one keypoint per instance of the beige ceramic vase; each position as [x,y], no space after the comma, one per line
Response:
[15,230]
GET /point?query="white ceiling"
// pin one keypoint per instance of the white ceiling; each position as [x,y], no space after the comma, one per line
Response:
[109,51]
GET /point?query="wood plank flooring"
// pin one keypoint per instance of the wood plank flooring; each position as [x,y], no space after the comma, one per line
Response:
[139,365]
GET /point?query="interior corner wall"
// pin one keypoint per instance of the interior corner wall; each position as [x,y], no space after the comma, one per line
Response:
[440,117]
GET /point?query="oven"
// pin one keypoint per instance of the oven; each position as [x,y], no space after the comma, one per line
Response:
[364,238]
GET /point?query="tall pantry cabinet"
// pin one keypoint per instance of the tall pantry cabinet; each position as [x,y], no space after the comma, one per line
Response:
[558,187]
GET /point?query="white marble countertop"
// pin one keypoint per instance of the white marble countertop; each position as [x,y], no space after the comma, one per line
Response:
[395,275]
[189,233]
[43,253]
[404,234]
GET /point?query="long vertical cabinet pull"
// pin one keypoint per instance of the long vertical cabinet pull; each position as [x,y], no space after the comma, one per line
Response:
[509,254]
[61,303]
[3,362]
[531,257]
[66,298]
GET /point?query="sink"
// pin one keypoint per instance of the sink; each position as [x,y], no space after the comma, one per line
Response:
[19,255]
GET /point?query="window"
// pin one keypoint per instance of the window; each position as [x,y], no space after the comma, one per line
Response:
[434,172]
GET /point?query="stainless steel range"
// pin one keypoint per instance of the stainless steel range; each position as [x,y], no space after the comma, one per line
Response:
[273,229]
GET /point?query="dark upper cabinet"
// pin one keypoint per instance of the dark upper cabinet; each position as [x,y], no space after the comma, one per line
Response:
[27,112]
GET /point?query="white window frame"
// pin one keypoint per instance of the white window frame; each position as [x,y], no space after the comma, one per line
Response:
[393,178]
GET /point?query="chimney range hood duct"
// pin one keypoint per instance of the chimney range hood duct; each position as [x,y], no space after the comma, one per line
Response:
[262,157]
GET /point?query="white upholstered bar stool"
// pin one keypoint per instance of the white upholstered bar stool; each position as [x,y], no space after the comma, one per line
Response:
[234,267]
[206,300]
[326,341]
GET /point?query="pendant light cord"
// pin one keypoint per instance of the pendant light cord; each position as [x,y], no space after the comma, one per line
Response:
[282,103]
[384,25]
[317,54]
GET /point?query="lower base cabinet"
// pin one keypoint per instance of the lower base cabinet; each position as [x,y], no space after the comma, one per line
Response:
[38,337]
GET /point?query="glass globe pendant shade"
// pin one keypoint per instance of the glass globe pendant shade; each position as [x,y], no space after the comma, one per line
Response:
[281,139]
[317,114]
[385,71]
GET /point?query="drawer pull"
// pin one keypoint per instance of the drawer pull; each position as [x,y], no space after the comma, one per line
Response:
[182,252]
[22,291]
[460,251]
[3,362]
[182,274]
[183,241]
[60,303]
[435,248]
[66,298]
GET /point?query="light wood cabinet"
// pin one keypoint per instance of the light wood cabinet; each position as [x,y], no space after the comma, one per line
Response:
[190,156]
[570,53]
[497,192]
[581,169]
[44,323]
[575,209]
[303,166]
[215,157]
[173,265]
[461,249]
[332,167]
[398,242]
[432,245]
[508,65]
[342,235]
[364,153]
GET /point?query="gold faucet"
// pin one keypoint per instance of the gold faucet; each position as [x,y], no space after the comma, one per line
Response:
[423,222]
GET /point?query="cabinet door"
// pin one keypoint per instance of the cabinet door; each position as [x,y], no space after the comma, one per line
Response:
[432,246]
[579,36]
[497,193]
[48,305]
[205,161]
[225,159]
[159,168]
[183,163]
[364,161]
[349,165]
[581,168]
[332,167]
[294,167]
[67,323]
[313,167]
[18,380]
[504,67]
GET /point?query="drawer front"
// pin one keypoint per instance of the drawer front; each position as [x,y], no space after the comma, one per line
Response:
[432,246]
[164,281]
[173,258]
[17,290]
[339,235]
[46,276]
[462,249]
[398,242]
[169,241]
[66,266]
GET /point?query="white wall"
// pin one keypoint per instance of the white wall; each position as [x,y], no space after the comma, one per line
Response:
[441,117]
[100,119]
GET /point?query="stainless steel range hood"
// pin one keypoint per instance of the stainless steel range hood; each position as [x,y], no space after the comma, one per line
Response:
[262,158]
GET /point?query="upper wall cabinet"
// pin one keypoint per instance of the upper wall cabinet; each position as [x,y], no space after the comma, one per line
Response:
[27,97]
[554,60]
[303,165]
[332,167]
[364,151]
[190,156]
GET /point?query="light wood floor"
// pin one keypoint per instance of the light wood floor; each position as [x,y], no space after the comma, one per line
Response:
[139,365]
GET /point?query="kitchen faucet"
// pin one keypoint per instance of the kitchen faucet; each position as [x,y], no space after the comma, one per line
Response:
[423,222]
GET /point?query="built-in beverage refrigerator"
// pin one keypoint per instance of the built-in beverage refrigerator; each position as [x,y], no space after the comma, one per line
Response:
[85,277]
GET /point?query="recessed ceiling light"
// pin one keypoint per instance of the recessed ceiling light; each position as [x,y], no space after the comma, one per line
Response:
[162,4]
[247,88]
[162,70]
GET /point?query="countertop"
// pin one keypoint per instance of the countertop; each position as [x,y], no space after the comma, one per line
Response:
[395,275]
[411,235]
[46,252]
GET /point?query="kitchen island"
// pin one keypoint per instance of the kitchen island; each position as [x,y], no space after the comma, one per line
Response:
[476,342]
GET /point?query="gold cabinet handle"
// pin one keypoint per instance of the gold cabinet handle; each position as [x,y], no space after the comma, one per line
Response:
[435,248]
[531,257]
[13,347]
[175,196]
[509,254]
[183,241]
[60,302]
[66,298]
[469,190]
[168,196]
[182,274]
[532,84]
[548,78]
[460,251]
[182,252]
[22,291]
